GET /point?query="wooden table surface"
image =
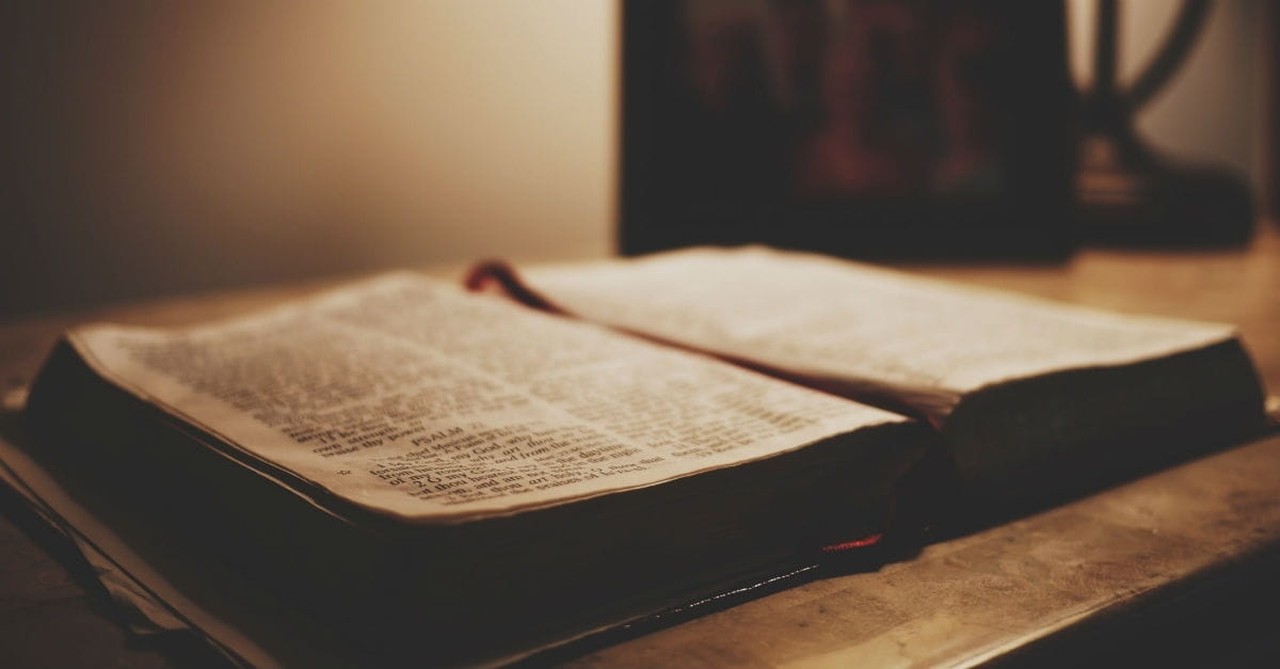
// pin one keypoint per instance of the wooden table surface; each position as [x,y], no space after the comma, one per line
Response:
[1181,567]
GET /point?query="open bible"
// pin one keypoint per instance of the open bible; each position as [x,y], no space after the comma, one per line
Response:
[427,470]
[411,464]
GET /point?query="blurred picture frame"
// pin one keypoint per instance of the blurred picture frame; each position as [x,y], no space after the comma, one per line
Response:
[883,129]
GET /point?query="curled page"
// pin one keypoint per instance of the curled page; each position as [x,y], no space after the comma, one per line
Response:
[875,334]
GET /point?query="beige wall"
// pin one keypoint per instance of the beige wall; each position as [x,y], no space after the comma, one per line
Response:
[165,147]
[158,148]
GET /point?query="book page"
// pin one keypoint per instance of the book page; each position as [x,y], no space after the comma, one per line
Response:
[415,399]
[845,322]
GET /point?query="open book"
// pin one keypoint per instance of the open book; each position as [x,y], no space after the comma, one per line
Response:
[410,463]
[401,458]
[1035,400]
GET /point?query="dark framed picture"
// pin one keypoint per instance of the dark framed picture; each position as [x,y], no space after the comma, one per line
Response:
[863,128]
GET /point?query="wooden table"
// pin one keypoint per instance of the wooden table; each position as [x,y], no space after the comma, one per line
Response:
[1181,567]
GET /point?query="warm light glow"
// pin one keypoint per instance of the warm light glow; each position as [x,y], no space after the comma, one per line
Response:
[233,143]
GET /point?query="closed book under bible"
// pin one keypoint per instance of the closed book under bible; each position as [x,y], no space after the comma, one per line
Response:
[422,468]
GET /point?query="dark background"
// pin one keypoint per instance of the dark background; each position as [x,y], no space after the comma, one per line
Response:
[161,148]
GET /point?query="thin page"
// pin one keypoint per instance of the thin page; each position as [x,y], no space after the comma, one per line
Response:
[417,400]
[823,318]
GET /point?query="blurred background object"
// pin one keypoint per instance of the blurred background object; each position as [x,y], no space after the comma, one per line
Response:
[1129,192]
[161,148]
[1211,113]
[865,128]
